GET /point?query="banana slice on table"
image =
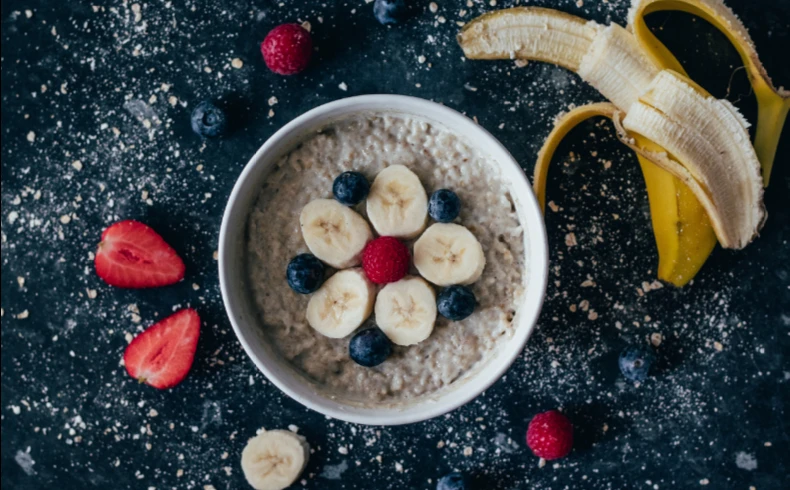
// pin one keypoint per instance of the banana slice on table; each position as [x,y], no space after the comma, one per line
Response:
[334,233]
[397,204]
[342,304]
[406,310]
[274,459]
[448,254]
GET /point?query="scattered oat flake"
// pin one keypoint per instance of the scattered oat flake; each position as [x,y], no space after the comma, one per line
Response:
[236,63]
[704,481]
[23,315]
[570,240]
[173,100]
[656,339]
[77,165]
[718,346]
[65,219]
[307,26]
[91,293]
[521,63]
[433,7]
[31,136]
[467,451]
[272,100]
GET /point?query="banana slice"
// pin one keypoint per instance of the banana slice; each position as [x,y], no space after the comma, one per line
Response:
[406,310]
[448,254]
[274,459]
[341,304]
[334,233]
[397,204]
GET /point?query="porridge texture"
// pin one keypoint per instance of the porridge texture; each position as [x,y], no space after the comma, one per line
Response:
[368,144]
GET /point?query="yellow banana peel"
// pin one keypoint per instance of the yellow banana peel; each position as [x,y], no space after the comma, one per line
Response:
[772,103]
[683,233]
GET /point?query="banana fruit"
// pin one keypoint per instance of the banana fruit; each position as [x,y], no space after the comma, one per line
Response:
[406,310]
[341,304]
[334,233]
[702,174]
[772,103]
[397,205]
[274,459]
[448,254]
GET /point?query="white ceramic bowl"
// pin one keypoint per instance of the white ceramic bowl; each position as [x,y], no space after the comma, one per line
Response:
[242,312]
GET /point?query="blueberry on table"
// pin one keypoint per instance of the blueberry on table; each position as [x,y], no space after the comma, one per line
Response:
[456,302]
[370,347]
[350,188]
[305,273]
[444,206]
[635,362]
[453,481]
[391,11]
[208,120]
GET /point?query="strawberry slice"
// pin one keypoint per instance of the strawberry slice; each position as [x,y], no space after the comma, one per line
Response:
[132,255]
[162,355]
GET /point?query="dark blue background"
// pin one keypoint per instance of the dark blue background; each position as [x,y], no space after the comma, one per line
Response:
[716,411]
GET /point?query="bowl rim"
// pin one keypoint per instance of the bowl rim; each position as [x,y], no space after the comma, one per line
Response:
[441,114]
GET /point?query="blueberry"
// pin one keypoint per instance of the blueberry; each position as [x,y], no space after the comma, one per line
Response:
[305,273]
[350,188]
[453,481]
[391,11]
[635,362]
[444,205]
[456,302]
[370,347]
[208,120]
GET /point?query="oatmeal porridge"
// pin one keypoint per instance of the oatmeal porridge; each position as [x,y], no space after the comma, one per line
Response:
[368,144]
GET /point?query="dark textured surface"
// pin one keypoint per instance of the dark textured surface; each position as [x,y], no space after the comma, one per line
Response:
[83,79]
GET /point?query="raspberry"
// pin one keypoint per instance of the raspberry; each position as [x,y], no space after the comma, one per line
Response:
[550,435]
[287,49]
[385,260]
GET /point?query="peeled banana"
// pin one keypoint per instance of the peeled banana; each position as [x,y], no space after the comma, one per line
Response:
[701,171]
[772,103]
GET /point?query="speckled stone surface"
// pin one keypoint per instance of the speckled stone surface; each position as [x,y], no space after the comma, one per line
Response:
[95,128]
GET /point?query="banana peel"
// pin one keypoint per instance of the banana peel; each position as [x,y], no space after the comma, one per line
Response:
[683,233]
[772,103]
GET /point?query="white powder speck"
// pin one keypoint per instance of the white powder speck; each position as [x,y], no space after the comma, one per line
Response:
[343,86]
[745,461]
[31,136]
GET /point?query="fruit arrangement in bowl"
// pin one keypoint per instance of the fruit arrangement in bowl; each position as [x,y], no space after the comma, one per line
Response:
[383,259]
[445,254]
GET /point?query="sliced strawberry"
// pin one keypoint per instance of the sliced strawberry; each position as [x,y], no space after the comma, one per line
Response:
[162,355]
[132,255]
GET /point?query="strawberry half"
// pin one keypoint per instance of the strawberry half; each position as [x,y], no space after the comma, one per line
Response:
[162,355]
[132,255]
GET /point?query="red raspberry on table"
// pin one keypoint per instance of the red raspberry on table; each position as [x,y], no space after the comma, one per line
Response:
[385,260]
[550,435]
[287,49]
